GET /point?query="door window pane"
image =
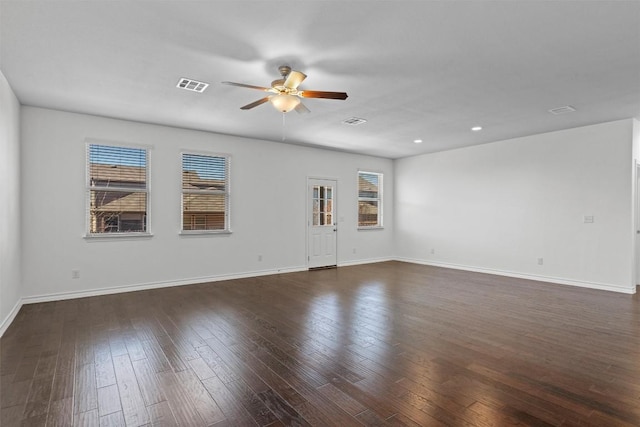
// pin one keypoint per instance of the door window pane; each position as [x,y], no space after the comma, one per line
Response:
[322,205]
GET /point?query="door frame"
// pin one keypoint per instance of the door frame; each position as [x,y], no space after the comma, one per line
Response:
[308,213]
[636,225]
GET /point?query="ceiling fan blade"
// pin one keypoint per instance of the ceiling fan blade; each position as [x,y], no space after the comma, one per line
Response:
[294,79]
[302,109]
[255,104]
[321,94]
[266,89]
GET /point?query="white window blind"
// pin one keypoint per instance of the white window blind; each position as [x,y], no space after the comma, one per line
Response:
[369,199]
[205,193]
[117,189]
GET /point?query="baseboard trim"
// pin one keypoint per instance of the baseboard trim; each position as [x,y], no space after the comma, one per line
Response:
[196,280]
[10,317]
[59,296]
[364,261]
[155,285]
[547,279]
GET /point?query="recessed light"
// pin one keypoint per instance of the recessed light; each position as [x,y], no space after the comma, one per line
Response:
[476,128]
[417,141]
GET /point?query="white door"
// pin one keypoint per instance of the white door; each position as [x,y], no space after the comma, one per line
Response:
[321,223]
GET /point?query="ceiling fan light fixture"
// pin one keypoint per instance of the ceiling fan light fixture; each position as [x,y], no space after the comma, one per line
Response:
[286,94]
[284,103]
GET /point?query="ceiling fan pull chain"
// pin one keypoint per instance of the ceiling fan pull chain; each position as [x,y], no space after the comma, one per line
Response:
[283,128]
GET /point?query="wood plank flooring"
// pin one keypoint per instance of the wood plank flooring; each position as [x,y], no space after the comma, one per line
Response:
[381,344]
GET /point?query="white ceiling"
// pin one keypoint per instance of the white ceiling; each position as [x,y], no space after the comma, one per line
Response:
[413,69]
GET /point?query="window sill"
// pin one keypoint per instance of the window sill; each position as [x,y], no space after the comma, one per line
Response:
[377,227]
[117,236]
[196,233]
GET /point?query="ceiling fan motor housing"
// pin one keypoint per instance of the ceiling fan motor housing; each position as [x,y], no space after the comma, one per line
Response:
[278,84]
[284,71]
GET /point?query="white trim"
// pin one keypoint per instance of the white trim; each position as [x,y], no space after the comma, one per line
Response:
[117,143]
[635,226]
[196,280]
[10,317]
[118,236]
[202,153]
[203,232]
[320,178]
[365,261]
[547,279]
[155,285]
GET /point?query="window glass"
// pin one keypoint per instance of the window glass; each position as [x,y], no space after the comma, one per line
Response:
[369,199]
[117,191]
[205,192]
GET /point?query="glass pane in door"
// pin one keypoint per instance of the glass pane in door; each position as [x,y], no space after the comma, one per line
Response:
[322,205]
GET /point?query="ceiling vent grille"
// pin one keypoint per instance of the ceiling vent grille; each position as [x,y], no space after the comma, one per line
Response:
[354,121]
[192,85]
[562,110]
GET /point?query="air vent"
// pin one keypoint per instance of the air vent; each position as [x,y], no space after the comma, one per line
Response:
[354,121]
[562,110]
[192,85]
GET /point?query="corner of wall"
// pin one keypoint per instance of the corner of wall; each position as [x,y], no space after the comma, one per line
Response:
[635,178]
[635,137]
[10,206]
[6,322]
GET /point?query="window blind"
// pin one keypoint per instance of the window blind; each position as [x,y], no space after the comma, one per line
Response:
[369,199]
[117,196]
[205,192]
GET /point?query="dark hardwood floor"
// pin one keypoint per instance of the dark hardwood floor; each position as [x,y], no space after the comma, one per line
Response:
[379,344]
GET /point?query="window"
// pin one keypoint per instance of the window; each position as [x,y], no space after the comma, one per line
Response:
[369,199]
[205,193]
[117,190]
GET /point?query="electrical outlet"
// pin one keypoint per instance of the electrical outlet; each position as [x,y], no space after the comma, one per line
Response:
[540,261]
[433,251]
[259,257]
[75,274]
[354,250]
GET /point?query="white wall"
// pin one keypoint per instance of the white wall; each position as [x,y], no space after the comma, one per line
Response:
[496,207]
[10,268]
[268,208]
[499,207]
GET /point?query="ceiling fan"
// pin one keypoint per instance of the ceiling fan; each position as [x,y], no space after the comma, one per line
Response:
[286,94]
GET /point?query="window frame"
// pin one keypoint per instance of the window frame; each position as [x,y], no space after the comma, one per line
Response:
[88,189]
[379,199]
[227,194]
